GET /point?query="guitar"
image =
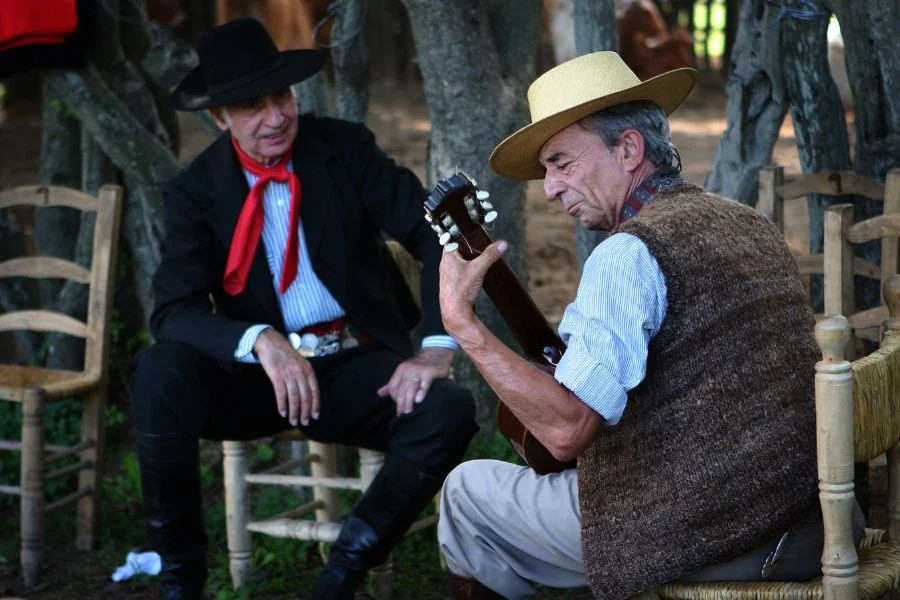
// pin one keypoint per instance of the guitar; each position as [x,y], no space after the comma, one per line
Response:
[457,210]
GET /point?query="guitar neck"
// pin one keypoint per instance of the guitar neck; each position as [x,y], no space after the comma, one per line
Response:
[525,320]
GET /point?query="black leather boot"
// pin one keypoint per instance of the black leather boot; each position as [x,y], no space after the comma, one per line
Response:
[170,481]
[390,505]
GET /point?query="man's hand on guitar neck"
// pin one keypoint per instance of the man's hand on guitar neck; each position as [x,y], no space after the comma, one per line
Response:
[461,280]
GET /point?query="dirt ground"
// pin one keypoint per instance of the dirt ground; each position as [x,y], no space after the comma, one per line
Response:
[399,118]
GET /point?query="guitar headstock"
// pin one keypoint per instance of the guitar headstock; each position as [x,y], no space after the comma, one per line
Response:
[455,207]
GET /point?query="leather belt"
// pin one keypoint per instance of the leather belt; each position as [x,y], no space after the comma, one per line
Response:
[327,338]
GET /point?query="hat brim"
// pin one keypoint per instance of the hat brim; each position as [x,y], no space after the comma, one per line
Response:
[516,157]
[192,93]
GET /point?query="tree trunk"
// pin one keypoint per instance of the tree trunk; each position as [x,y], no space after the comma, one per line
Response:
[56,229]
[16,293]
[350,58]
[167,61]
[871,48]
[477,59]
[595,30]
[756,106]
[818,118]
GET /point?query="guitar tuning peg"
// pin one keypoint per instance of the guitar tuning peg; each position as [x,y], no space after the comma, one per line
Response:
[482,195]
[487,205]
[451,247]
[428,218]
[444,238]
[436,229]
[489,217]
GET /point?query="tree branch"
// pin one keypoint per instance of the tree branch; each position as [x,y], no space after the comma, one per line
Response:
[122,137]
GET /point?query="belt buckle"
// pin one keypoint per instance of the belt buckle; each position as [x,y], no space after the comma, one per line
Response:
[328,344]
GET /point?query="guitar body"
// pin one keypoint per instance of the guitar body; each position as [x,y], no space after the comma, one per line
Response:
[456,210]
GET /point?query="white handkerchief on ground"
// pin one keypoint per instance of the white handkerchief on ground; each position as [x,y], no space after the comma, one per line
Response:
[143,562]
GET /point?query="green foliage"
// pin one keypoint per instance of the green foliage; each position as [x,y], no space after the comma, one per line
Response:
[282,568]
[63,108]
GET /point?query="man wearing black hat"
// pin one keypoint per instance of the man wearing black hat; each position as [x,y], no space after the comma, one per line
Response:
[278,305]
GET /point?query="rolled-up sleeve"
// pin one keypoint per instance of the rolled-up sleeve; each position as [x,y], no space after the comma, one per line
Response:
[619,308]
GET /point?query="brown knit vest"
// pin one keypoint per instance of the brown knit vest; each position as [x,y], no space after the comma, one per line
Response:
[716,451]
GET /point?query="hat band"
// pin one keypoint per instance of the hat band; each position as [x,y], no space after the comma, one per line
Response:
[231,84]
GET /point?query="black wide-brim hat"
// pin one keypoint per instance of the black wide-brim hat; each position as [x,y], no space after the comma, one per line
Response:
[239,61]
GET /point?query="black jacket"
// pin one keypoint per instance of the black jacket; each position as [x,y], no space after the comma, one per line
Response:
[351,192]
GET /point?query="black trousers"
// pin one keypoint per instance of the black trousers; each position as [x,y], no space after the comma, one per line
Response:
[179,390]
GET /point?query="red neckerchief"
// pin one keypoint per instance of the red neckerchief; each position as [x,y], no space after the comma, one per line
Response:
[250,223]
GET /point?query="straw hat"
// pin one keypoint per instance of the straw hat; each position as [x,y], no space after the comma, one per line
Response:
[573,90]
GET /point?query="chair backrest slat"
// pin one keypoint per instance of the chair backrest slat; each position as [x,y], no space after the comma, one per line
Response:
[837,183]
[42,267]
[43,320]
[108,208]
[33,195]
[874,228]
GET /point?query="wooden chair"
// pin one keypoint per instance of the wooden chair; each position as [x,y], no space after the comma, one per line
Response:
[34,386]
[773,193]
[323,480]
[857,419]
[841,233]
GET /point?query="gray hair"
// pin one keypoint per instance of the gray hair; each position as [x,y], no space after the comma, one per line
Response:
[644,116]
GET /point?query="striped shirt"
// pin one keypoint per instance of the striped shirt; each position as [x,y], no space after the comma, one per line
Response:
[307,301]
[619,308]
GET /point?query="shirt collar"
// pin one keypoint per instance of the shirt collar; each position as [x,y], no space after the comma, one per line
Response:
[660,179]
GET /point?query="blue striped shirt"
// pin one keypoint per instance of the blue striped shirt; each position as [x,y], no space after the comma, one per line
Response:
[619,308]
[307,301]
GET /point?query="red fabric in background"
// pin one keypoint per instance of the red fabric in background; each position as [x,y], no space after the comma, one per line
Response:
[25,22]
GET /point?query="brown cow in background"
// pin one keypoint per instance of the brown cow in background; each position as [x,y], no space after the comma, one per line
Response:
[645,43]
[291,23]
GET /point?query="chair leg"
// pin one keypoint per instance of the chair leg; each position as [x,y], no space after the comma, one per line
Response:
[32,483]
[324,464]
[237,510]
[381,578]
[93,428]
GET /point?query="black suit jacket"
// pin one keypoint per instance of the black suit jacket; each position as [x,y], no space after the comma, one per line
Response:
[351,192]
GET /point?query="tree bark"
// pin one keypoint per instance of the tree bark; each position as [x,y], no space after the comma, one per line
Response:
[871,48]
[350,58]
[167,61]
[477,59]
[56,229]
[595,29]
[818,118]
[756,106]
[16,293]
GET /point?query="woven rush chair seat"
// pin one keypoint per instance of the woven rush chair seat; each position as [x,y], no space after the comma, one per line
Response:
[879,569]
[56,383]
